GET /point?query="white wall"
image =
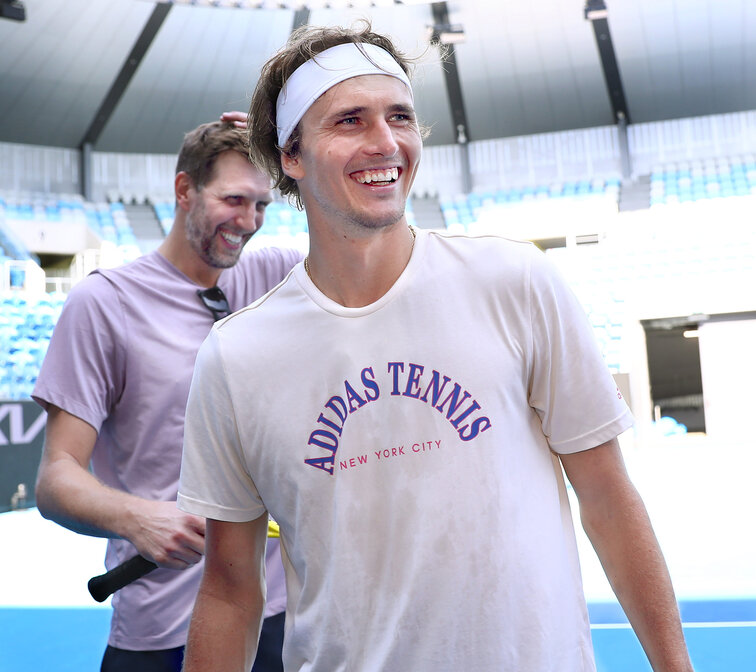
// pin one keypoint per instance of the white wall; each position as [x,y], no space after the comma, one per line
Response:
[664,142]
[39,169]
[53,237]
[526,160]
[728,373]
[572,155]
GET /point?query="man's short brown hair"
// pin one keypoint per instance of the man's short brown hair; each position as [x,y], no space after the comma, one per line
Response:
[203,145]
[302,45]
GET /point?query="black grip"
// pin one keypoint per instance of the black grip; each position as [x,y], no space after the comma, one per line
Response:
[100,587]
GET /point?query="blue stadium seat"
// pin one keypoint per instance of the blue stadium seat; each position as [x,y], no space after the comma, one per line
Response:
[25,330]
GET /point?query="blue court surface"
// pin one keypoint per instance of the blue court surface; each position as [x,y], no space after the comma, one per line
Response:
[700,498]
[71,639]
[721,636]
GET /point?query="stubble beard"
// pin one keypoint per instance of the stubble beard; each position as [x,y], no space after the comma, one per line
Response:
[368,221]
[205,244]
[376,224]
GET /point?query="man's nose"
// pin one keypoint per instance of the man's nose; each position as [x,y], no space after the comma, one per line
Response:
[381,139]
[249,218]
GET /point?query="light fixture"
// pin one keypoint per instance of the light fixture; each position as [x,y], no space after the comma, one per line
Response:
[291,4]
[13,10]
[446,33]
[595,9]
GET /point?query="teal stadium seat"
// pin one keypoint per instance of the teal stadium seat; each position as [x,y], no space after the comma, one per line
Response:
[26,326]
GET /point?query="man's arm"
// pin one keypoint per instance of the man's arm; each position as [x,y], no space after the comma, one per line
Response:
[227,616]
[618,526]
[67,493]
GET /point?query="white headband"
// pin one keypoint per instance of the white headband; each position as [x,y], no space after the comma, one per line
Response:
[314,77]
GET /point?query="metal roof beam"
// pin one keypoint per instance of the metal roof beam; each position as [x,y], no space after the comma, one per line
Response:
[128,69]
[301,18]
[596,12]
[114,95]
[453,90]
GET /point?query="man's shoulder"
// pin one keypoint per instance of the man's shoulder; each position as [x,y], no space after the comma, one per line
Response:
[145,264]
[259,270]
[487,255]
[115,276]
[272,306]
[103,285]
[270,257]
[479,243]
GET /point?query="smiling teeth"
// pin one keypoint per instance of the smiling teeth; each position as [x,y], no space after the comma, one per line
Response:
[388,175]
[231,238]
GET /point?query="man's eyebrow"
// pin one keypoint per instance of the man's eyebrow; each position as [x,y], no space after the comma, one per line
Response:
[240,193]
[402,107]
[352,111]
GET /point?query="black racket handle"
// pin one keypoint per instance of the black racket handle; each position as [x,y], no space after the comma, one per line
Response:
[104,585]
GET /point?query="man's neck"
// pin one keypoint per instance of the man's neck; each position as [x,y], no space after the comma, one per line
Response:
[177,251]
[358,269]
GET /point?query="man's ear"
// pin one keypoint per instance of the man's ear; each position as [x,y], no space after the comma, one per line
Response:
[292,166]
[184,187]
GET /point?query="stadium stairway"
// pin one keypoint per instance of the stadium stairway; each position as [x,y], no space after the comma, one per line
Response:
[428,213]
[145,225]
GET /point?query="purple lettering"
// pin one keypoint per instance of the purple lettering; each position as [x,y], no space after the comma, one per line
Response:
[321,463]
[395,368]
[454,400]
[413,381]
[473,407]
[372,392]
[328,441]
[434,387]
[352,396]
[478,426]
[341,412]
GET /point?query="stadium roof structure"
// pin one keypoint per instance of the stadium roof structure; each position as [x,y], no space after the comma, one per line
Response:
[134,75]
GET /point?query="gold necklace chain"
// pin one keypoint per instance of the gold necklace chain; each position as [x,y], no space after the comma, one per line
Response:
[307,258]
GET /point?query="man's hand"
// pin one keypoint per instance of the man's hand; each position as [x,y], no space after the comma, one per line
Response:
[238,119]
[167,536]
[68,493]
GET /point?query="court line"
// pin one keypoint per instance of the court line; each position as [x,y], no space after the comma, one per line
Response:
[694,624]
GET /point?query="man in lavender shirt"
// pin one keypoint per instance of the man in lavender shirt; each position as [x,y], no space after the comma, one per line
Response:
[115,383]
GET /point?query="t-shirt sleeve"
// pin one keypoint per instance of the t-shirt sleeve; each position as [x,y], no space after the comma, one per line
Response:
[215,482]
[82,372]
[571,388]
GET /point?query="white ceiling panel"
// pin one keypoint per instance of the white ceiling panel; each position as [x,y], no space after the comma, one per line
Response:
[525,67]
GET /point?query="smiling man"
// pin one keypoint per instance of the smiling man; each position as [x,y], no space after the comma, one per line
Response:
[115,383]
[423,395]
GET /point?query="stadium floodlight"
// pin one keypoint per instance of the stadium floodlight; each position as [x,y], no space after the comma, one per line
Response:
[446,33]
[595,9]
[13,10]
[291,4]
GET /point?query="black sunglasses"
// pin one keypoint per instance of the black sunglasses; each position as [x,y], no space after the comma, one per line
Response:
[215,301]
